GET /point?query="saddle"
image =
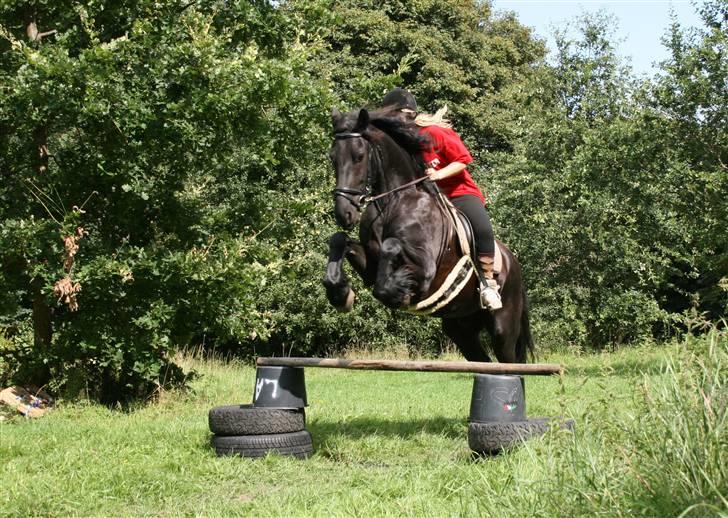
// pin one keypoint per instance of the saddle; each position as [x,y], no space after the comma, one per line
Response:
[463,270]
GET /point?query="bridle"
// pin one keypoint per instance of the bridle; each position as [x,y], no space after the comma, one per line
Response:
[357,197]
[362,197]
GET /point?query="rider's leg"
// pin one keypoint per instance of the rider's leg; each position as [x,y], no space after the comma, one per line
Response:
[475,211]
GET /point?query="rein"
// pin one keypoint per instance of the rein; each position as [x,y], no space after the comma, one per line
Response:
[396,189]
[363,197]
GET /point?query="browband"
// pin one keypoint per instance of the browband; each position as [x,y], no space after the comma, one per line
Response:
[344,135]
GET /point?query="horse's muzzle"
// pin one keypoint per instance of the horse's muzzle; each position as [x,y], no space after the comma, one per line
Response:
[346,214]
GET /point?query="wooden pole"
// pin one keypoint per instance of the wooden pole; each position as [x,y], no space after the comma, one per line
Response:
[539,369]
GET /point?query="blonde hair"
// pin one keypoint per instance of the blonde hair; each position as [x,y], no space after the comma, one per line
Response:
[438,119]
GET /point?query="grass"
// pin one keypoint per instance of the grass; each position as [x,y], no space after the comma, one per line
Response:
[651,439]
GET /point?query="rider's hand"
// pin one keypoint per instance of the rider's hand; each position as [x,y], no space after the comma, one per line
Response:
[432,174]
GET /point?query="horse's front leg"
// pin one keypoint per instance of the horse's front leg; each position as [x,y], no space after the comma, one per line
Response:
[338,289]
[396,281]
[363,263]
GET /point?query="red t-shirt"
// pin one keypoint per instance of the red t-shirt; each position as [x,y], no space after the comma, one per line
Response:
[444,147]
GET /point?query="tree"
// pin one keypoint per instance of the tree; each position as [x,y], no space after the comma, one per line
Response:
[447,53]
[600,195]
[689,109]
[579,198]
[144,148]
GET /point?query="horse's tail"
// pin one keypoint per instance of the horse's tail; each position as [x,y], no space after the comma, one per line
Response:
[524,344]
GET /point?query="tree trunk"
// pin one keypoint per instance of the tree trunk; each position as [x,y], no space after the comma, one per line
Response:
[42,313]
[42,330]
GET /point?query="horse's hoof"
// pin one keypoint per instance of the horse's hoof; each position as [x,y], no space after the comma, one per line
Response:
[349,304]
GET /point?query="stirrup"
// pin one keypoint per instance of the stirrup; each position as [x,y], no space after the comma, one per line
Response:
[489,297]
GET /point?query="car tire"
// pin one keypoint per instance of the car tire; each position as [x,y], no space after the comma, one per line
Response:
[295,444]
[236,420]
[490,438]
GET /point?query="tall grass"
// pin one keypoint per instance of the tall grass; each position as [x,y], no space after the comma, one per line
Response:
[680,445]
[671,458]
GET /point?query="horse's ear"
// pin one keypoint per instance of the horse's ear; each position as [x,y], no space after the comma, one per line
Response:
[335,115]
[363,120]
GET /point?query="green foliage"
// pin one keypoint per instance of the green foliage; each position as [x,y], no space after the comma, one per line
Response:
[679,442]
[602,197]
[448,53]
[689,100]
[668,456]
[389,441]
[164,180]
[172,133]
[185,144]
[5,346]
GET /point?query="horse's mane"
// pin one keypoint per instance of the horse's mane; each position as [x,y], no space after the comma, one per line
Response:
[404,133]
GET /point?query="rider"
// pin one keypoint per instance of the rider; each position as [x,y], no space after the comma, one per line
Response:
[446,159]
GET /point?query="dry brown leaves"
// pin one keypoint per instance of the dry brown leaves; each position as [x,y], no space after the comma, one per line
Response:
[65,289]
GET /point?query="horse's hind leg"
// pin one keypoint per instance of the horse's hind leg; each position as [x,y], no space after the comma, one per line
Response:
[505,333]
[465,332]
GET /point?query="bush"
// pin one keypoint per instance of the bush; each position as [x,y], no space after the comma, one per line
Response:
[599,197]
[147,146]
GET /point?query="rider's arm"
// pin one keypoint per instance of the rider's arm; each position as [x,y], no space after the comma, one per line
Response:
[451,169]
[453,154]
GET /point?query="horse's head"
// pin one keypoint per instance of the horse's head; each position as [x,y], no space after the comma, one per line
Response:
[350,158]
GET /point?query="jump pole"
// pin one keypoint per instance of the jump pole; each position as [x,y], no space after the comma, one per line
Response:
[530,369]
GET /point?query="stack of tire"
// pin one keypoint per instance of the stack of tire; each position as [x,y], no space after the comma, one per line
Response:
[498,415]
[250,431]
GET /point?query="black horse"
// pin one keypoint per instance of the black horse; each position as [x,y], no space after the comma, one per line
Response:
[407,245]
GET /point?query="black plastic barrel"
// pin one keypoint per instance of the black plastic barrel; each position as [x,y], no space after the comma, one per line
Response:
[497,398]
[280,387]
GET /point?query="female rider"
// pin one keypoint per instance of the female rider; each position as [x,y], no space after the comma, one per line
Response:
[446,159]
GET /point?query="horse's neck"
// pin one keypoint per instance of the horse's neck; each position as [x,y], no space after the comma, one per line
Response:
[396,169]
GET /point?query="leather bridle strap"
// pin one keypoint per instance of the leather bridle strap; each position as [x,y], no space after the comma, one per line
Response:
[356,197]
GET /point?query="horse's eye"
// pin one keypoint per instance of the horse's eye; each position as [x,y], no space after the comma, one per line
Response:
[358,157]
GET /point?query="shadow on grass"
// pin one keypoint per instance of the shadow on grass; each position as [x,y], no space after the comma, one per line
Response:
[360,427]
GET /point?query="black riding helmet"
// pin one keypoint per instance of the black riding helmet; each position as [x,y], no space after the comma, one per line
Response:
[400,98]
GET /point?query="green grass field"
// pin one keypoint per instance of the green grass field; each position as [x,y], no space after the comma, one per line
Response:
[651,438]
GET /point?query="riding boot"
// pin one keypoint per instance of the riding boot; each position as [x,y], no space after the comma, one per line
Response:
[489,296]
